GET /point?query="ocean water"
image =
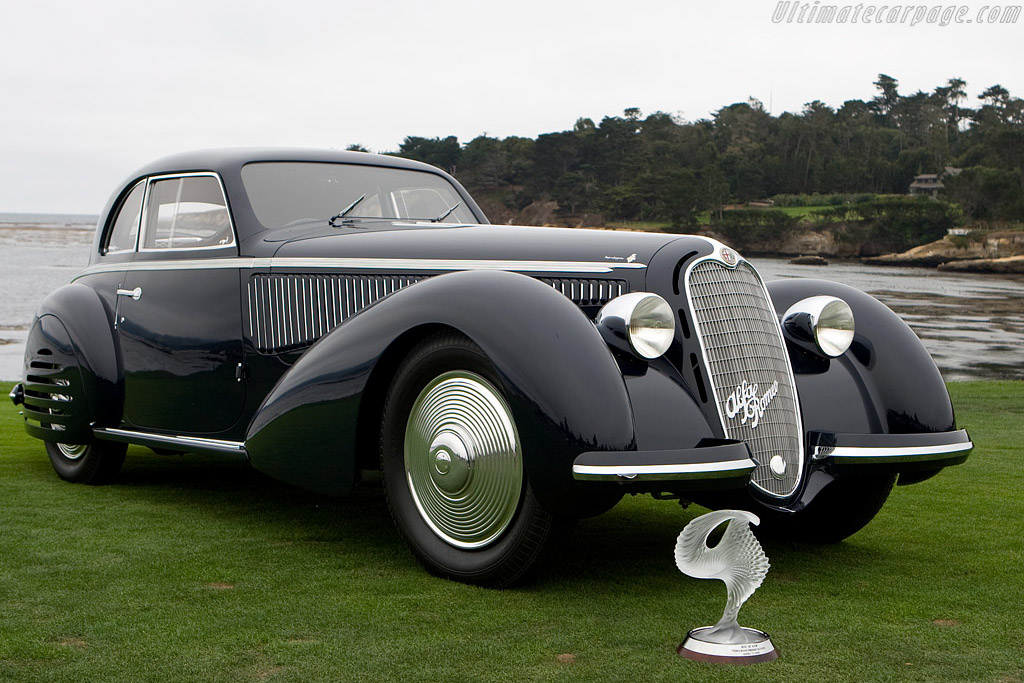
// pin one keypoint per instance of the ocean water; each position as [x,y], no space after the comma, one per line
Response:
[49,219]
[973,325]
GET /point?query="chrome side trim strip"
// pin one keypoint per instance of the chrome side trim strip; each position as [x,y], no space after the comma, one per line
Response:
[452,264]
[660,472]
[187,442]
[361,264]
[178,264]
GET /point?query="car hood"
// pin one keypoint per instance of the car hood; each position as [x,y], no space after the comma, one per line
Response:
[454,247]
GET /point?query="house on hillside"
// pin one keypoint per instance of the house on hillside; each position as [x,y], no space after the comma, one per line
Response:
[926,183]
[931,183]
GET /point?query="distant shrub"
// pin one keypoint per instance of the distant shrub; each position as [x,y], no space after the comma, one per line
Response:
[755,227]
[817,199]
[897,222]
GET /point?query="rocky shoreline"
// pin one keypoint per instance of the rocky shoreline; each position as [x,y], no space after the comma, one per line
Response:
[978,251]
[997,252]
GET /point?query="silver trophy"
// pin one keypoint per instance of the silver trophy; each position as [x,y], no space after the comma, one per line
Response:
[739,561]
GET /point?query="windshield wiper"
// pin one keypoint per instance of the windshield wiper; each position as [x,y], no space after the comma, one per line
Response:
[446,213]
[344,212]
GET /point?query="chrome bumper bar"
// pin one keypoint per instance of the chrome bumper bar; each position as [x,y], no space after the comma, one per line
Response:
[729,460]
[899,451]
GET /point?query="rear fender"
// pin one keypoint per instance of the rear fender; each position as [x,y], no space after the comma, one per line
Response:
[562,383]
[71,367]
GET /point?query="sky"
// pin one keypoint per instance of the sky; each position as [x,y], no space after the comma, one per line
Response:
[90,91]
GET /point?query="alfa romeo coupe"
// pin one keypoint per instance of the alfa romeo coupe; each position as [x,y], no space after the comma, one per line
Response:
[325,314]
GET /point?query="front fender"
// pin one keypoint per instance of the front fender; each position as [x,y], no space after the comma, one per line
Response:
[562,383]
[886,383]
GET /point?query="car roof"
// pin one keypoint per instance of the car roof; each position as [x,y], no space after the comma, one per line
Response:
[229,160]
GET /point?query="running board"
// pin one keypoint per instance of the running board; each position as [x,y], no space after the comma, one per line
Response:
[189,444]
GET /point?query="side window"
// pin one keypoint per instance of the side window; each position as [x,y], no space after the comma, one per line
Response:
[125,231]
[184,213]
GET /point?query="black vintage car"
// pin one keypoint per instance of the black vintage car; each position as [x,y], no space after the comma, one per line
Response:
[325,314]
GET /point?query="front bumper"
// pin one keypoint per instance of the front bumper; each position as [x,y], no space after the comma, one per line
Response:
[891,452]
[722,463]
[725,464]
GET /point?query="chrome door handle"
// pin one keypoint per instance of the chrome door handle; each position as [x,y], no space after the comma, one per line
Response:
[133,293]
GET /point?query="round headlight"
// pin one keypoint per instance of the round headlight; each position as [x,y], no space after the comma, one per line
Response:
[642,319]
[834,330]
[822,321]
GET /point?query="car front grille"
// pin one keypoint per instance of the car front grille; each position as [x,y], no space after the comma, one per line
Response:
[746,356]
[292,311]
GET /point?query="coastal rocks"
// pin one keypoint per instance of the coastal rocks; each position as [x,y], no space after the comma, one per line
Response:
[808,261]
[1008,264]
[959,251]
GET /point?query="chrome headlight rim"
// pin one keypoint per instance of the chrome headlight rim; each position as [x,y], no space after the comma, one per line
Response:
[639,322]
[824,324]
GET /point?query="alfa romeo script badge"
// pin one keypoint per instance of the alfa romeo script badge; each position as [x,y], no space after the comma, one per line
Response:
[747,405]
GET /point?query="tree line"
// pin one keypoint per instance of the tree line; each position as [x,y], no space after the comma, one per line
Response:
[661,168]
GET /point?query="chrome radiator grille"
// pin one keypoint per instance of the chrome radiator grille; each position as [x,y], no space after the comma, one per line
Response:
[746,356]
[293,311]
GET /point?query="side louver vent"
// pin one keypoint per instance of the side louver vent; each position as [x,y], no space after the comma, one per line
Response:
[288,312]
[49,396]
[585,292]
[293,311]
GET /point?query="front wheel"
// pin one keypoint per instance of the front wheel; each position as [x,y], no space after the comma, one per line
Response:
[95,463]
[840,510]
[453,468]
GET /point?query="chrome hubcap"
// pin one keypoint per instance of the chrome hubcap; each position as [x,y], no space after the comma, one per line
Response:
[463,461]
[72,452]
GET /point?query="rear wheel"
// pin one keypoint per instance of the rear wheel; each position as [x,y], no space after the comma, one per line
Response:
[95,463]
[453,468]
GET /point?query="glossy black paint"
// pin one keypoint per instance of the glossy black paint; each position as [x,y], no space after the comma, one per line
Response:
[73,331]
[666,275]
[546,352]
[182,359]
[886,383]
[181,343]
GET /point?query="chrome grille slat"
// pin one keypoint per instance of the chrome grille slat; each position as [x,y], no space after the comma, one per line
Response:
[742,341]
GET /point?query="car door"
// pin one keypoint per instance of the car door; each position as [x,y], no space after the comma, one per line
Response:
[179,318]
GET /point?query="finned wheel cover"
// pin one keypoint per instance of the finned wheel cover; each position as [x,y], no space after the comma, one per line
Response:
[463,459]
[71,452]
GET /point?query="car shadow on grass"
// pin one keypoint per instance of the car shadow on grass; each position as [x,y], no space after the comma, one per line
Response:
[635,539]
[232,491]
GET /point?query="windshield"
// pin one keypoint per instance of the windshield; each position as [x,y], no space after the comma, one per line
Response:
[282,193]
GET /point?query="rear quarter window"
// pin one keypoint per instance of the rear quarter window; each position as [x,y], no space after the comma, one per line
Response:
[124,232]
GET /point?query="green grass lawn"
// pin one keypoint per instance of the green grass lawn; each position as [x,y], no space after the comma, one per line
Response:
[191,569]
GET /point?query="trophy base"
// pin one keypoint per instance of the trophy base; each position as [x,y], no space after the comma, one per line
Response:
[758,648]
